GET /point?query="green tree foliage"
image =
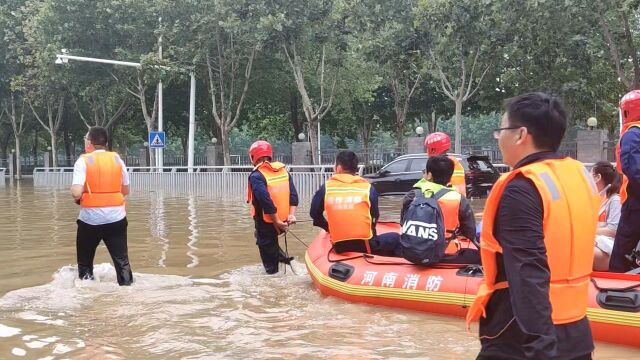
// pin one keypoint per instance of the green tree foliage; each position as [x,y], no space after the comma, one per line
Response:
[367,71]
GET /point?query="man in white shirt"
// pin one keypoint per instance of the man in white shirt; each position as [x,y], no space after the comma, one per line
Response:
[100,183]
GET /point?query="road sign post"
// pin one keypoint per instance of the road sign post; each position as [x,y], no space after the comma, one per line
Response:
[157,140]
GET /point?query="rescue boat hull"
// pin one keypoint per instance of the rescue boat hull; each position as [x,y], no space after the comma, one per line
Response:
[448,290]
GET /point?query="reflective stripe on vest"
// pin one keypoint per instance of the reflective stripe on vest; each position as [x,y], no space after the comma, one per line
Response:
[625,181]
[449,204]
[277,179]
[103,184]
[570,204]
[346,202]
[457,179]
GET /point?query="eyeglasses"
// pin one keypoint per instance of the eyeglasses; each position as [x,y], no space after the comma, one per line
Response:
[496,132]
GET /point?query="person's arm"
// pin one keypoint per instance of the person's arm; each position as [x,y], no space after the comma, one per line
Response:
[466,219]
[630,156]
[261,194]
[613,218]
[520,234]
[317,209]
[262,197]
[79,178]
[293,202]
[406,201]
[375,210]
[125,178]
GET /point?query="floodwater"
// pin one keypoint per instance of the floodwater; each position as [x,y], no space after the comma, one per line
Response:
[199,292]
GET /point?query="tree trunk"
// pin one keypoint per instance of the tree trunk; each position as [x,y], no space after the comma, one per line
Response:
[67,146]
[458,118]
[54,153]
[294,115]
[35,146]
[226,151]
[313,140]
[17,159]
[400,118]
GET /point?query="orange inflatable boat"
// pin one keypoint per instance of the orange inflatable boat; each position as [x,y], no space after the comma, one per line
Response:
[614,308]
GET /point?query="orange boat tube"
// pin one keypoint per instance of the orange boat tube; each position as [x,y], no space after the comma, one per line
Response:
[614,310]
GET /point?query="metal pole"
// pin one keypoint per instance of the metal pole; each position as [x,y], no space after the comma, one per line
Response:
[192,122]
[102,61]
[159,159]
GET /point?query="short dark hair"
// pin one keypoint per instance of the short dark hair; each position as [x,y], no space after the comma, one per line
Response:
[98,136]
[542,114]
[609,175]
[441,168]
[348,160]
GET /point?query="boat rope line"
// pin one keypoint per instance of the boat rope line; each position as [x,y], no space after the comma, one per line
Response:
[297,238]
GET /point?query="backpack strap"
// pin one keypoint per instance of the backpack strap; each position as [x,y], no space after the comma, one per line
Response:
[440,193]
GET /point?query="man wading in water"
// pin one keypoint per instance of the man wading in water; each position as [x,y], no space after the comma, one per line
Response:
[100,183]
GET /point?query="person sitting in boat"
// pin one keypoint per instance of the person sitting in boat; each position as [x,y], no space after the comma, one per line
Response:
[456,210]
[608,181]
[351,205]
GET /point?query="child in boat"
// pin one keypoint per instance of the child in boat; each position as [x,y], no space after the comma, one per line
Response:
[456,210]
[608,181]
[437,175]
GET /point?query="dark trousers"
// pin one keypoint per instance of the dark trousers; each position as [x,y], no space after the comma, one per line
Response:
[270,252]
[627,236]
[387,244]
[114,236]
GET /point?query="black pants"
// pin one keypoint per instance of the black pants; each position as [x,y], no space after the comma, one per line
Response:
[270,252]
[627,237]
[114,236]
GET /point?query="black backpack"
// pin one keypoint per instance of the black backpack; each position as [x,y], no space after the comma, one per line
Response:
[422,238]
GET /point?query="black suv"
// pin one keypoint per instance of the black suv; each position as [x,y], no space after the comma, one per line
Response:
[399,176]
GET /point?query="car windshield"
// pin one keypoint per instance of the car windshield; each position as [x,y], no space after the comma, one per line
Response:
[397,166]
[418,165]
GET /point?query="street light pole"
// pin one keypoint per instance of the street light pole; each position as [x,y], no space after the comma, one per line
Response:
[159,157]
[64,58]
[192,121]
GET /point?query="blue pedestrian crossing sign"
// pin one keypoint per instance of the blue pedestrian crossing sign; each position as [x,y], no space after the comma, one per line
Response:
[156,140]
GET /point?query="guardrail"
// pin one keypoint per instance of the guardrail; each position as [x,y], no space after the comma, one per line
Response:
[215,181]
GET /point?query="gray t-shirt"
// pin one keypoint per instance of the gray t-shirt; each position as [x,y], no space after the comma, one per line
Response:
[612,207]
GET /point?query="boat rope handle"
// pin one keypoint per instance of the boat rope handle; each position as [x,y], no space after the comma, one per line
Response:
[624,289]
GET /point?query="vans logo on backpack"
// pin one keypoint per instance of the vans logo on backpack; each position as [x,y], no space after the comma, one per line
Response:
[420,229]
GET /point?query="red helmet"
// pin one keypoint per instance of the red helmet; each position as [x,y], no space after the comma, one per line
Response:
[259,149]
[630,107]
[437,143]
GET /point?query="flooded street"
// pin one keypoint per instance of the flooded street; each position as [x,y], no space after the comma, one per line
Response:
[200,291]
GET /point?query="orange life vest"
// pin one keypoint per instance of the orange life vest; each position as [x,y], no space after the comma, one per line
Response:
[625,181]
[602,212]
[277,179]
[346,202]
[457,179]
[103,184]
[570,202]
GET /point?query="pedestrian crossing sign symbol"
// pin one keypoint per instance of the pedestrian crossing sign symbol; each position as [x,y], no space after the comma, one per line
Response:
[156,140]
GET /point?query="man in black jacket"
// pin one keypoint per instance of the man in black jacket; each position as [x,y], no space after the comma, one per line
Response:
[519,322]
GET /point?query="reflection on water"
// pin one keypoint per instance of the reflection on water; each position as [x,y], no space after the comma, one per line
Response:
[199,292]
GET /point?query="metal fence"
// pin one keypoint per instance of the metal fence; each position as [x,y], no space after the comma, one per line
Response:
[223,182]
